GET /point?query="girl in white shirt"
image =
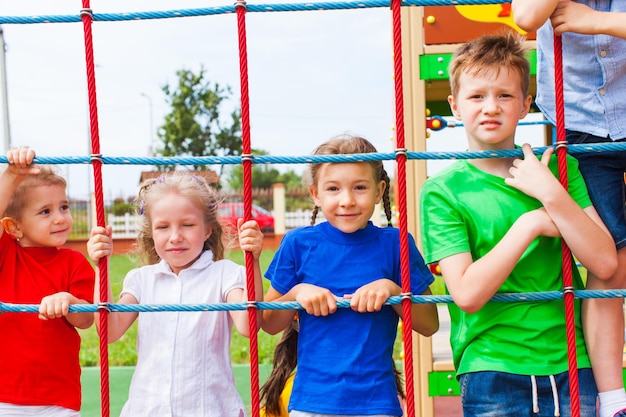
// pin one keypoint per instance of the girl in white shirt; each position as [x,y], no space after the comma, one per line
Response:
[183,358]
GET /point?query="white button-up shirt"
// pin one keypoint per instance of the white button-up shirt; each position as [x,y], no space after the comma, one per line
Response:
[183,366]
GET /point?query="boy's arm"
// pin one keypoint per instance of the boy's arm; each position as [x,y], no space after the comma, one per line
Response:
[582,230]
[530,15]
[472,283]
[575,17]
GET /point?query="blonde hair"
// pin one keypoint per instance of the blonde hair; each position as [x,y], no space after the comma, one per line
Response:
[491,52]
[46,176]
[343,145]
[189,186]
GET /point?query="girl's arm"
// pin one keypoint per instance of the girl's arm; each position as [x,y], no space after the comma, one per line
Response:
[371,297]
[20,164]
[100,245]
[250,240]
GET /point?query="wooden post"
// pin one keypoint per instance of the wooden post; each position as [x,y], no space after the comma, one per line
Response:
[414,92]
[278,192]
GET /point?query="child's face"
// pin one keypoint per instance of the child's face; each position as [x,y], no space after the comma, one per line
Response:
[178,231]
[347,194]
[45,220]
[490,105]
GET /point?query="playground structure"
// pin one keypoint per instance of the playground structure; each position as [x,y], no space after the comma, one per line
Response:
[425,52]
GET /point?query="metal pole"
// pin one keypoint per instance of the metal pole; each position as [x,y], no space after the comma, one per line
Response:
[5,96]
[152,145]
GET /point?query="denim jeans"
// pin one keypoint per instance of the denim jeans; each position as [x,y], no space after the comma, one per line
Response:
[498,394]
[604,175]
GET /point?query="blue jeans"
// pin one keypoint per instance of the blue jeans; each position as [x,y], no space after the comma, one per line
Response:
[497,394]
[604,175]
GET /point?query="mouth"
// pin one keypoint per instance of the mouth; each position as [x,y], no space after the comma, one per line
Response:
[490,123]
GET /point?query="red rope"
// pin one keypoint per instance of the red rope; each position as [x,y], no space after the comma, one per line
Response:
[86,17]
[247,203]
[568,296]
[404,239]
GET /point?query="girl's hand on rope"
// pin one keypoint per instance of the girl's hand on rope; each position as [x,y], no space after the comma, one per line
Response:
[21,161]
[532,176]
[56,305]
[250,237]
[315,300]
[371,297]
[100,243]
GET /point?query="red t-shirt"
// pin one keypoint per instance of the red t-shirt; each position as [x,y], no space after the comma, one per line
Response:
[39,358]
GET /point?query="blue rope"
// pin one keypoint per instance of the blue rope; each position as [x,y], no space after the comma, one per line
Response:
[208,11]
[267,159]
[293,305]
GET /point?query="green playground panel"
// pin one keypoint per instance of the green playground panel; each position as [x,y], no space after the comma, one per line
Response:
[445,384]
[119,382]
[435,66]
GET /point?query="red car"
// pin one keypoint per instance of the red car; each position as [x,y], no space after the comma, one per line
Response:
[230,212]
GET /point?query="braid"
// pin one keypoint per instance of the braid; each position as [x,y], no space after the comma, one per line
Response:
[386,199]
[316,210]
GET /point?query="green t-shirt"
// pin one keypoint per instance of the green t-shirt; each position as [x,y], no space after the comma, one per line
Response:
[464,209]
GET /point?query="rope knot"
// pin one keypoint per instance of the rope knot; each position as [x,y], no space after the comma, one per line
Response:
[86,12]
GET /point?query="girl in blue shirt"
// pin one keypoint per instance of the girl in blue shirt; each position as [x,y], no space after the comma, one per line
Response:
[345,362]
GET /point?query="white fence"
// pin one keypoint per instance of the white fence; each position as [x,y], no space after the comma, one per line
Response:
[126,226]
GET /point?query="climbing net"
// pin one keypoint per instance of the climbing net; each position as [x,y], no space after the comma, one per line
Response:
[401,155]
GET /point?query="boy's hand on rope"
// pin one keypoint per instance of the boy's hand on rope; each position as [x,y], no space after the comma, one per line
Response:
[21,161]
[100,243]
[315,300]
[371,297]
[250,237]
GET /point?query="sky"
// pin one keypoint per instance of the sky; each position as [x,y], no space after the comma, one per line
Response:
[312,75]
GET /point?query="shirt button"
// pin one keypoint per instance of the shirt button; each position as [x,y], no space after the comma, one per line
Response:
[603,53]
[602,91]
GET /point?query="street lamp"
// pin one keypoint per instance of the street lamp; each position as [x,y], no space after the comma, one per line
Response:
[152,146]
[5,97]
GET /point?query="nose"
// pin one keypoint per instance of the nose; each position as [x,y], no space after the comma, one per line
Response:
[175,235]
[346,198]
[490,105]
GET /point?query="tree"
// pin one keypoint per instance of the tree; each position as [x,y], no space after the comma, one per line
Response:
[194,126]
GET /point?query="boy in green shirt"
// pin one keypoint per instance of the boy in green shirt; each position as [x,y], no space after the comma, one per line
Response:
[495,225]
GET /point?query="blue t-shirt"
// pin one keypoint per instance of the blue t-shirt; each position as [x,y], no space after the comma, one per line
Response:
[345,362]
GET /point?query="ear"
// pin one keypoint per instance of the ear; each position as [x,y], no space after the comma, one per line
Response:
[314,194]
[12,227]
[527,102]
[454,107]
[382,185]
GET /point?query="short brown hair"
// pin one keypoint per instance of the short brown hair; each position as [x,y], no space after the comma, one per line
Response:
[491,52]
[46,176]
